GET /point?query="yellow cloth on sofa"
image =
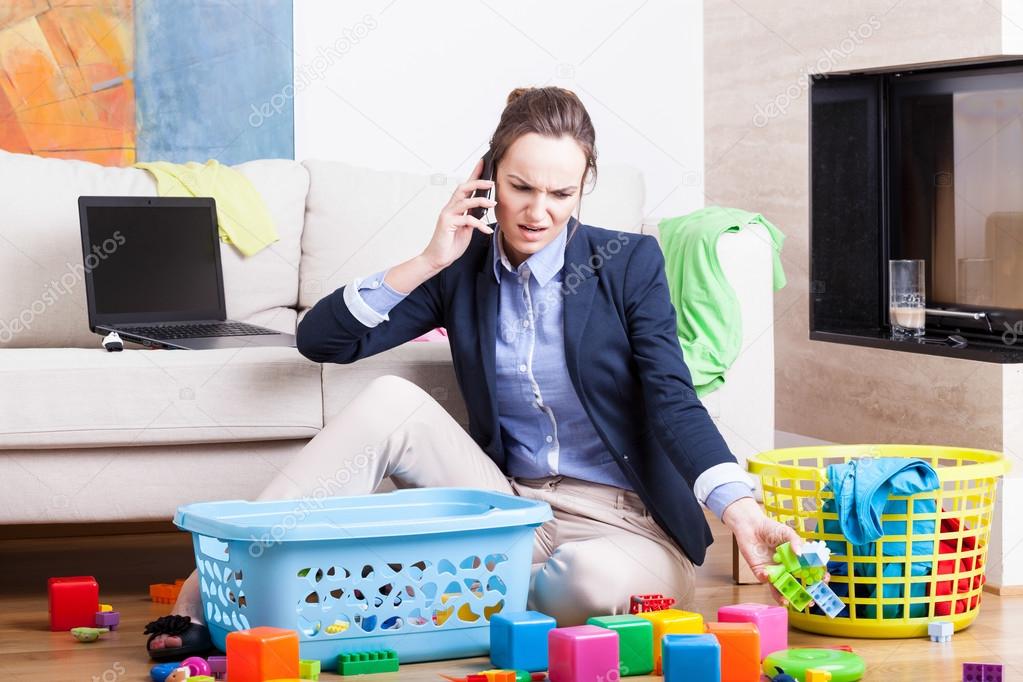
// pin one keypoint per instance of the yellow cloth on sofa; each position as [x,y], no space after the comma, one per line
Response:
[242,215]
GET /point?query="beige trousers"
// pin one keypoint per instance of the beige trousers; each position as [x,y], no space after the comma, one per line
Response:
[600,548]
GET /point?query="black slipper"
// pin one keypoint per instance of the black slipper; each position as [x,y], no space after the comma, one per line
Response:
[195,638]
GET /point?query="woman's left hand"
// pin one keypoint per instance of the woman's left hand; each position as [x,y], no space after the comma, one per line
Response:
[757,537]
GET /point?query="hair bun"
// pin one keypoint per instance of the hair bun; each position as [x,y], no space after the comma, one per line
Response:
[516,93]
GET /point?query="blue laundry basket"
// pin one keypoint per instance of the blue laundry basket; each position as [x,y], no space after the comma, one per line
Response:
[419,571]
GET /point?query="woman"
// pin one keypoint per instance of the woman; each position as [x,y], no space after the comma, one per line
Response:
[564,347]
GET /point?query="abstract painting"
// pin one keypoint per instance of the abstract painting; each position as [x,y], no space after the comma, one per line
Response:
[66,79]
[119,81]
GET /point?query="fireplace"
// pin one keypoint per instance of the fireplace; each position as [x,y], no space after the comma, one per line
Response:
[921,163]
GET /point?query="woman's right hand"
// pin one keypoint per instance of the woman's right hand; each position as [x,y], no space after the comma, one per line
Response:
[454,226]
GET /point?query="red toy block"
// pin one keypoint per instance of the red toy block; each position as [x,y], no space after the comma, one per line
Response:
[643,603]
[262,653]
[74,602]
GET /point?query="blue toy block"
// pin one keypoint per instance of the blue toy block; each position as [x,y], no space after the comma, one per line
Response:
[691,657]
[826,599]
[814,554]
[518,641]
[940,630]
[982,672]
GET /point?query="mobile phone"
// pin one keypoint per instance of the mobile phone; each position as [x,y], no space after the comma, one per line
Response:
[488,174]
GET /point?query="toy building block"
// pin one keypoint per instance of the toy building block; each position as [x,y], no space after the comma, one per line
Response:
[826,598]
[202,678]
[772,622]
[982,672]
[789,587]
[692,657]
[814,675]
[518,641]
[671,622]
[262,653]
[364,663]
[106,607]
[641,603]
[218,666]
[74,602]
[786,557]
[84,634]
[107,619]
[940,630]
[309,670]
[582,653]
[162,593]
[814,554]
[740,650]
[635,642]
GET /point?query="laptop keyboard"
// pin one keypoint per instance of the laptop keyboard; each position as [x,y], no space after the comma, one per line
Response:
[198,331]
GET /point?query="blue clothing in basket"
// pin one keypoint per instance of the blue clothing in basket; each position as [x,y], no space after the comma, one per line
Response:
[861,489]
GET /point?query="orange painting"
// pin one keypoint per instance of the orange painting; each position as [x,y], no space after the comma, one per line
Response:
[66,81]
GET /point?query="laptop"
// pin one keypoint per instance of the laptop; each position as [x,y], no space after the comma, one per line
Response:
[153,274]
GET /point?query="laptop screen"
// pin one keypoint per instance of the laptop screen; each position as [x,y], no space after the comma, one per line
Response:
[153,263]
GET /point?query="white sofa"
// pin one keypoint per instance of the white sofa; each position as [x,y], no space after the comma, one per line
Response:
[87,435]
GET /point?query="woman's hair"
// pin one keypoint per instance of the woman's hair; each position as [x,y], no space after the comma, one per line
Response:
[551,112]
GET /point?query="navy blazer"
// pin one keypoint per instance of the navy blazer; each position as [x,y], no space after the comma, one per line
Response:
[623,354]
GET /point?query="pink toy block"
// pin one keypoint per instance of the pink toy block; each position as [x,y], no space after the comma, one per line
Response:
[771,621]
[583,653]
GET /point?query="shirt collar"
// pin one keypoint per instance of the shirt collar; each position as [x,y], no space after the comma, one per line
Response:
[544,264]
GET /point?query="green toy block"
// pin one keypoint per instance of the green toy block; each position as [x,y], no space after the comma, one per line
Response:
[367,662]
[791,589]
[635,642]
[309,670]
[785,556]
[201,678]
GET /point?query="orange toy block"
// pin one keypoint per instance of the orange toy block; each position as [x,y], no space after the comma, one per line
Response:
[262,653]
[166,593]
[740,651]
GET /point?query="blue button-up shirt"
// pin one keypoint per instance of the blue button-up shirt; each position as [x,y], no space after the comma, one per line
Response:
[544,426]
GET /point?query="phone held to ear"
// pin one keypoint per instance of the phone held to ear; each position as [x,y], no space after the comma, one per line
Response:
[488,174]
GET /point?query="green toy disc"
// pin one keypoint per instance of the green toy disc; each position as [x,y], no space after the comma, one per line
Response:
[843,665]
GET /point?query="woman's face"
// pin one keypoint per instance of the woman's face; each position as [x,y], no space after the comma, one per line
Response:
[537,187]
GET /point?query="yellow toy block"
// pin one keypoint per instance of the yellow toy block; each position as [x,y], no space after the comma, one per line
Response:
[671,622]
[106,607]
[814,675]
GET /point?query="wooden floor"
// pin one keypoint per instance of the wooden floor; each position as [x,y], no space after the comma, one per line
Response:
[124,564]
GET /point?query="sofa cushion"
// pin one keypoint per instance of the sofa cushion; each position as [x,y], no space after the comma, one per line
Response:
[43,303]
[359,220]
[70,397]
[426,364]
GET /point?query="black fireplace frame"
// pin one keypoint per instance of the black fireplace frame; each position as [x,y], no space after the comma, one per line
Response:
[854,200]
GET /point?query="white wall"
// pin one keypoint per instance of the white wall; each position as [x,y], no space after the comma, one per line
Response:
[420,86]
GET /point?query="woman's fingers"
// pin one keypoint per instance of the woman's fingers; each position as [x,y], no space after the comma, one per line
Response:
[463,205]
[466,189]
[470,221]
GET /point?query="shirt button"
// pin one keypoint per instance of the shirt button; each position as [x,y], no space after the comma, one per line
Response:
[522,368]
[549,439]
[525,323]
[376,283]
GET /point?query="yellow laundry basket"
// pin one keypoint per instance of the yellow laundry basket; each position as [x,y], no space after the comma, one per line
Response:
[794,480]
